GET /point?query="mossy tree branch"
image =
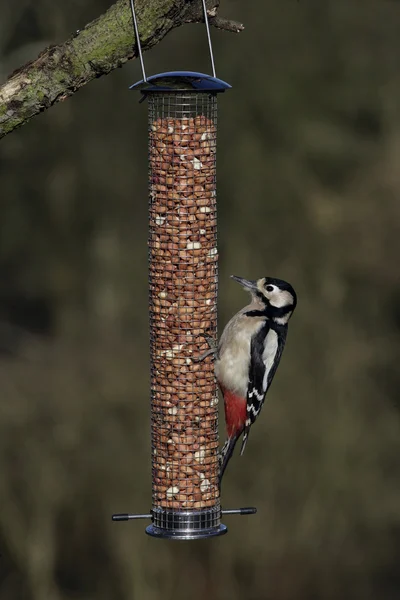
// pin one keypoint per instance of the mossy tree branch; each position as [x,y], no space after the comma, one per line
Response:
[103,45]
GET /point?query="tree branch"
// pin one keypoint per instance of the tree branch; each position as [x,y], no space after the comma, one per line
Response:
[103,45]
[226,24]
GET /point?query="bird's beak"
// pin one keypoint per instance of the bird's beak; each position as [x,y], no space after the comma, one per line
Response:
[246,283]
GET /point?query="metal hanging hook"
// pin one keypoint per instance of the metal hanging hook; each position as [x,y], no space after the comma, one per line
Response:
[209,38]
[139,46]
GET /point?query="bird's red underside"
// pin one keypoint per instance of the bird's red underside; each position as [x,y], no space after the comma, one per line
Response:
[235,412]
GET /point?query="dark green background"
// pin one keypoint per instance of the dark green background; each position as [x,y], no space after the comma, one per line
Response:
[308,191]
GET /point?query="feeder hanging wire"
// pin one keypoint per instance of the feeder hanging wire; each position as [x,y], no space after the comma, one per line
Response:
[139,45]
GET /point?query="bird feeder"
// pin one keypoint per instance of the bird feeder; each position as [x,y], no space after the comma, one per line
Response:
[183,283]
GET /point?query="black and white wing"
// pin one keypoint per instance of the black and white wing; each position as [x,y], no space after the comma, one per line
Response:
[266,351]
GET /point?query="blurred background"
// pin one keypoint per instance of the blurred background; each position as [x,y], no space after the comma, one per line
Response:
[308,191]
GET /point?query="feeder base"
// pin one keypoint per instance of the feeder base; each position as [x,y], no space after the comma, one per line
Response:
[186,524]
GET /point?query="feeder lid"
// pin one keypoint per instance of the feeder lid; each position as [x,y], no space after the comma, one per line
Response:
[181,81]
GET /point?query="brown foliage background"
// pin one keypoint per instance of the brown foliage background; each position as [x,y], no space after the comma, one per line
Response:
[309,184]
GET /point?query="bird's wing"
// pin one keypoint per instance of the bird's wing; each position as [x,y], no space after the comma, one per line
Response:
[266,350]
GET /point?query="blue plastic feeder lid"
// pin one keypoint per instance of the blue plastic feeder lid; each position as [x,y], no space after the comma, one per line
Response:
[181,81]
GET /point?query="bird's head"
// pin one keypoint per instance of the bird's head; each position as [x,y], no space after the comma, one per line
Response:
[277,296]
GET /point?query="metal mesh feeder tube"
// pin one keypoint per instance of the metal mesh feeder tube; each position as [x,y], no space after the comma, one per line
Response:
[183,277]
[183,285]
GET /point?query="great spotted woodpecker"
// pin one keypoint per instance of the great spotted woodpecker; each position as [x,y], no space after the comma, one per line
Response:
[248,356]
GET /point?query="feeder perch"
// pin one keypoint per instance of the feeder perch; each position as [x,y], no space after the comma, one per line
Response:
[183,279]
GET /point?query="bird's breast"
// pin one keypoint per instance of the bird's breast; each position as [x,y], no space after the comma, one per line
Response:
[232,365]
[232,370]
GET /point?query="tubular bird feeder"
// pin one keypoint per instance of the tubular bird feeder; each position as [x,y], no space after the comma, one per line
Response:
[183,283]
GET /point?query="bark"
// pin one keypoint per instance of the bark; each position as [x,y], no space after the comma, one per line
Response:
[103,45]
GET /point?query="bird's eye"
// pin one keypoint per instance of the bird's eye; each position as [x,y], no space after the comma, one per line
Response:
[270,288]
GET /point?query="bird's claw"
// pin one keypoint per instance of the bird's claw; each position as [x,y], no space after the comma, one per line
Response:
[204,355]
[213,349]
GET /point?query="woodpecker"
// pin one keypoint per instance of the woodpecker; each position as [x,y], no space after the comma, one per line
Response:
[248,356]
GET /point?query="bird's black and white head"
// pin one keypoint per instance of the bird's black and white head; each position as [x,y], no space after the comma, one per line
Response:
[277,297]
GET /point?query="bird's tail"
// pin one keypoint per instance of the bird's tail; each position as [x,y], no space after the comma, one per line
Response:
[226,454]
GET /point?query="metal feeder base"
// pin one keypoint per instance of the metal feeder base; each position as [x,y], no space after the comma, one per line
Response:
[186,524]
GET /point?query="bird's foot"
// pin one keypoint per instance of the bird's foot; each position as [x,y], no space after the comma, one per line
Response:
[212,350]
